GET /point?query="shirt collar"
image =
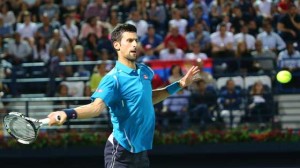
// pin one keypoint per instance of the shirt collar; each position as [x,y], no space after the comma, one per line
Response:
[124,68]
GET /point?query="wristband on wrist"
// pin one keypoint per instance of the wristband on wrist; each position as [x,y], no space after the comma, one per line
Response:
[173,88]
[71,113]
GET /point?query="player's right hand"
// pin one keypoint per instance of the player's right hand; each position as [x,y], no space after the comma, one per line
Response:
[54,118]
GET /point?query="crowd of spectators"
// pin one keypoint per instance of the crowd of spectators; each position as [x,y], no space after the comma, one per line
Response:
[245,36]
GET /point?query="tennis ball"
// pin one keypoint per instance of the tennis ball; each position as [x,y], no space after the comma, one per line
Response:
[284,76]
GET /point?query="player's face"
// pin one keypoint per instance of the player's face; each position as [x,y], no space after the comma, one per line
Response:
[128,46]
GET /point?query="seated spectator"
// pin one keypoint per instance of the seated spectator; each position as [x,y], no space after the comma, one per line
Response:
[56,69]
[104,43]
[171,52]
[19,50]
[203,101]
[140,24]
[28,28]
[81,70]
[148,54]
[263,8]
[258,101]
[196,53]
[157,16]
[33,7]
[6,30]
[176,107]
[203,75]
[176,38]
[62,91]
[124,9]
[152,38]
[57,42]
[175,74]
[50,9]
[92,25]
[69,31]
[230,100]
[289,59]
[265,59]
[97,76]
[90,45]
[197,14]
[41,50]
[178,21]
[7,15]
[270,39]
[246,37]
[289,25]
[244,58]
[24,9]
[199,36]
[68,5]
[98,9]
[46,29]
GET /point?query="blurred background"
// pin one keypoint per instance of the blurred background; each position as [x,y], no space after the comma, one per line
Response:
[54,53]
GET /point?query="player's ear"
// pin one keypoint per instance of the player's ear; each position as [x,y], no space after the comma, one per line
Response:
[116,45]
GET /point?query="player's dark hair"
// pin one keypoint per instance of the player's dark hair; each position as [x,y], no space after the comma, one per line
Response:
[118,31]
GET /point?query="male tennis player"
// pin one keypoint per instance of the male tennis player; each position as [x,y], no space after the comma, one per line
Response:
[127,91]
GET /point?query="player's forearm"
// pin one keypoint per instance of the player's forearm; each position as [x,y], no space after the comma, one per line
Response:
[90,110]
[159,95]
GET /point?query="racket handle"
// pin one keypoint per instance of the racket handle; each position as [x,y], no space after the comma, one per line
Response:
[47,120]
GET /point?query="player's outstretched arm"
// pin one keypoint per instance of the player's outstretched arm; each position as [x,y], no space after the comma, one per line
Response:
[86,111]
[159,95]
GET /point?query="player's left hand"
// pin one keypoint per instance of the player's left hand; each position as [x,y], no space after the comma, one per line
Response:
[189,76]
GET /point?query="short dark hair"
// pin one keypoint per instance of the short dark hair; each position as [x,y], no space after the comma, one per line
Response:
[116,34]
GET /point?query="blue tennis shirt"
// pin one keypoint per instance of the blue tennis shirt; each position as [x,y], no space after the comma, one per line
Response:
[128,95]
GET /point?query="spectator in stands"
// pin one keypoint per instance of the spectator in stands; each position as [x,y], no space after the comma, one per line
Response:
[57,42]
[69,5]
[97,8]
[253,28]
[46,29]
[23,10]
[203,101]
[246,37]
[283,6]
[28,28]
[178,21]
[181,6]
[56,69]
[113,19]
[264,58]
[198,12]
[271,39]
[175,37]
[62,91]
[230,100]
[176,107]
[175,74]
[19,50]
[41,50]
[6,30]
[91,46]
[50,9]
[196,52]
[69,31]
[172,52]
[289,25]
[104,43]
[124,9]
[81,70]
[157,16]
[81,9]
[222,43]
[258,101]
[152,39]
[33,7]
[148,54]
[97,76]
[244,58]
[7,15]
[289,59]
[92,25]
[215,14]
[200,36]
[136,20]
[263,9]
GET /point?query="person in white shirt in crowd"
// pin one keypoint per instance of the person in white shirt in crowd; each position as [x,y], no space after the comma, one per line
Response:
[246,37]
[172,52]
[222,42]
[196,52]
[140,24]
[69,30]
[41,50]
[19,50]
[178,21]
[28,28]
[7,15]
[271,39]
[290,58]
[263,8]
[57,42]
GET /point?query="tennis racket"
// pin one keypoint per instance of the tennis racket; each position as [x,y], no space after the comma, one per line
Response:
[24,129]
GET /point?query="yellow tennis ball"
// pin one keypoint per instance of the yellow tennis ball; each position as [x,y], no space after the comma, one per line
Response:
[284,76]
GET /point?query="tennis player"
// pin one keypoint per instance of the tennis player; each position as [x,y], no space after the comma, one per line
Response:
[126,90]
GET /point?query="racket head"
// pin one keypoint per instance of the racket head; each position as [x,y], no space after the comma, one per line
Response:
[20,128]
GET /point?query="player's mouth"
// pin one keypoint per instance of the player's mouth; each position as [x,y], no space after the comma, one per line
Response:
[133,51]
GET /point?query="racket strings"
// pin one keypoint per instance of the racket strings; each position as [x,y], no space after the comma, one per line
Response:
[21,128]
